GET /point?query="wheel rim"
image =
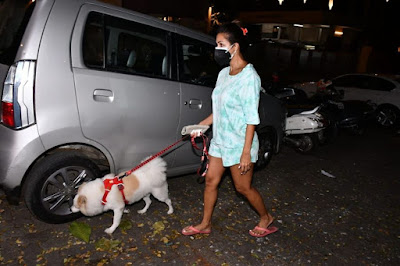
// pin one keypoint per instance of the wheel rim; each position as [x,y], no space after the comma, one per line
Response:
[387,117]
[58,191]
[307,144]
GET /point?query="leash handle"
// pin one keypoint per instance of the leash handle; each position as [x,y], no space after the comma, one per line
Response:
[187,130]
[202,170]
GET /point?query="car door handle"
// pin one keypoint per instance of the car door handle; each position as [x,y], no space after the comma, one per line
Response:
[102,95]
[195,104]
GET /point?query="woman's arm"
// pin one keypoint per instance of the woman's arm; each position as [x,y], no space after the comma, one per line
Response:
[245,159]
[208,121]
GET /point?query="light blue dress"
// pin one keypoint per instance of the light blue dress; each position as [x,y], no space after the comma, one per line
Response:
[235,102]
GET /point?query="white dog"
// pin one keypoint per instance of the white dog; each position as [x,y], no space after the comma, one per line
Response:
[149,179]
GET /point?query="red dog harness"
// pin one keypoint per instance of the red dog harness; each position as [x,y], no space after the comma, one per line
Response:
[108,184]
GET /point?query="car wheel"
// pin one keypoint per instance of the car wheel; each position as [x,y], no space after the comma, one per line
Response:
[52,184]
[387,116]
[265,151]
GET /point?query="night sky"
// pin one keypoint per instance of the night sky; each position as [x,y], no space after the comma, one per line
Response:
[377,18]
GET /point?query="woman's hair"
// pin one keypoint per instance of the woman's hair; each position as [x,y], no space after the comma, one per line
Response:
[235,34]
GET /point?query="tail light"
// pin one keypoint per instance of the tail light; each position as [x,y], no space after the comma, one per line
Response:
[17,104]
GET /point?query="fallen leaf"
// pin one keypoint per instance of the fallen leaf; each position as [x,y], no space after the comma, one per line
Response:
[158,227]
[125,225]
[165,240]
[80,230]
[104,244]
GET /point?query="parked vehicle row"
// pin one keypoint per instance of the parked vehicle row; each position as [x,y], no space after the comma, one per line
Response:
[93,88]
[382,90]
[89,88]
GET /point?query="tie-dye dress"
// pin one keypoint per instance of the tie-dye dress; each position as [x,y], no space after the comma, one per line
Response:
[235,102]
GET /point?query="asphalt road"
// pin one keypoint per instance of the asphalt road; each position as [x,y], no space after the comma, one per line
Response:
[352,218]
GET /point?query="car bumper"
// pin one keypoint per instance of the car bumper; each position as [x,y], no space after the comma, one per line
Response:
[18,150]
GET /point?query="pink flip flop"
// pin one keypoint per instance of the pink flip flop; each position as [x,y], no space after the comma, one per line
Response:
[194,231]
[266,231]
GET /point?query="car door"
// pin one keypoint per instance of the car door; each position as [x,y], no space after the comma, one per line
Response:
[380,90]
[354,86]
[126,99]
[197,74]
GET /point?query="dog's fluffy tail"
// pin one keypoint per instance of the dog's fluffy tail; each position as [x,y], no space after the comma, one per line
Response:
[155,170]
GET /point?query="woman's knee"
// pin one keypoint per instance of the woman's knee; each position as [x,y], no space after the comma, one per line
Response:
[212,182]
[244,190]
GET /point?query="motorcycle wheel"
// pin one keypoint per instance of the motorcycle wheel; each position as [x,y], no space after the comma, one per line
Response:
[308,143]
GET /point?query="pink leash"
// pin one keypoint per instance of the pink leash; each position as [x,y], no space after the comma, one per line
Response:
[203,157]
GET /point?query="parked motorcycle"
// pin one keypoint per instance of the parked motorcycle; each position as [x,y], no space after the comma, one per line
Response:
[304,130]
[350,116]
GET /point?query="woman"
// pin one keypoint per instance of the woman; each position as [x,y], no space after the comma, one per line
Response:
[235,116]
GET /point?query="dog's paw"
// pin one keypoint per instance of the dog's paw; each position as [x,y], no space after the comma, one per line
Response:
[170,211]
[109,231]
[141,211]
[126,210]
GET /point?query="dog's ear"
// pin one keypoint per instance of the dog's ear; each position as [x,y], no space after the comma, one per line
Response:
[81,201]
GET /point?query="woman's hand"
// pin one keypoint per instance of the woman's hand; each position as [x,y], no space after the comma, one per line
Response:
[195,133]
[245,163]
[208,121]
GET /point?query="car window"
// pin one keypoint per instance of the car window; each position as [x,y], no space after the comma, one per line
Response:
[380,84]
[196,62]
[93,41]
[125,46]
[345,81]
[355,81]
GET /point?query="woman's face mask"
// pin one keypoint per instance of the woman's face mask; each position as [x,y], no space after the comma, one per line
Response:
[222,55]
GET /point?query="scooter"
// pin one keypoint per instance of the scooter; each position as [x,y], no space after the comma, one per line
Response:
[303,131]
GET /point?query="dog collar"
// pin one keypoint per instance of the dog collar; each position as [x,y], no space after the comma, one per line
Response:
[108,184]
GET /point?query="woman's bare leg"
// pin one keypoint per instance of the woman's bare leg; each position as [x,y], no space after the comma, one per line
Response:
[213,178]
[243,186]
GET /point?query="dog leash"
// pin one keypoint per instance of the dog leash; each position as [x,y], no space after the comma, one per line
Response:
[204,157]
[151,158]
[202,171]
[117,180]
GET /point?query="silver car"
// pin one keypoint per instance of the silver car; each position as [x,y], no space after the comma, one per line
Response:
[91,88]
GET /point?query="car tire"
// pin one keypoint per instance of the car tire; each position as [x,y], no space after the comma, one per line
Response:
[265,151]
[388,116]
[52,184]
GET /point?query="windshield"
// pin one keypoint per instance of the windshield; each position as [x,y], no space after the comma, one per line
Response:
[14,17]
